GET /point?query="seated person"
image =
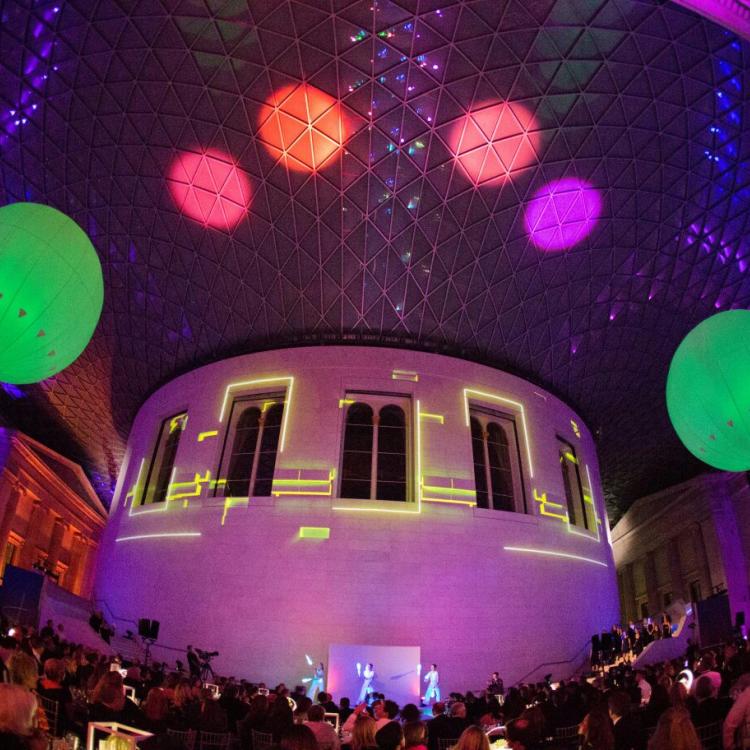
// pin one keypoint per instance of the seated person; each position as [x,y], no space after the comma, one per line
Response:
[324,732]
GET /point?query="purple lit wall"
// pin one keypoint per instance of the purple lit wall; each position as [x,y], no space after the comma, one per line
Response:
[471,587]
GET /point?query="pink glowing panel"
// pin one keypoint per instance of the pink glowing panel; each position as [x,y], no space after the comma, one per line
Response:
[494,140]
[209,188]
[303,127]
[562,213]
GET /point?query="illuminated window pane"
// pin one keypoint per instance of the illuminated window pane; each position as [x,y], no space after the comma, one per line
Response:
[251,446]
[496,456]
[162,463]
[375,463]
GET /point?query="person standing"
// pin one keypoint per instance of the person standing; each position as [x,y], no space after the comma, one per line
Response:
[194,664]
[317,682]
[432,678]
[368,675]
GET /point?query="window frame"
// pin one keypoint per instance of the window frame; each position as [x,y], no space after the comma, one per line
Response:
[486,414]
[588,517]
[377,400]
[157,451]
[225,455]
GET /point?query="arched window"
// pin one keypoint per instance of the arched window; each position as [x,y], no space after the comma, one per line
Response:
[578,513]
[375,457]
[356,468]
[162,463]
[248,464]
[497,466]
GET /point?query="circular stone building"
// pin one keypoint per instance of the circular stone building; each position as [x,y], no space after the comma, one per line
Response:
[336,502]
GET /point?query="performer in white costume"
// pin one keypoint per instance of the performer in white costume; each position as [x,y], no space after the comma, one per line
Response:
[368,675]
[316,684]
[432,678]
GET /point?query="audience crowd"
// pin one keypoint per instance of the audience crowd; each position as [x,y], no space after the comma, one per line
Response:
[700,701]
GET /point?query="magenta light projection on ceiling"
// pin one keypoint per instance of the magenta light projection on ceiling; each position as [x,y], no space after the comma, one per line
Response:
[494,140]
[209,188]
[562,213]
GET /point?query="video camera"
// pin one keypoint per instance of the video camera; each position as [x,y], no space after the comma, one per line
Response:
[206,655]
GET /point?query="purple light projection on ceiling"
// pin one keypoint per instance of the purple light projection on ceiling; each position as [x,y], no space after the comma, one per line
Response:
[562,213]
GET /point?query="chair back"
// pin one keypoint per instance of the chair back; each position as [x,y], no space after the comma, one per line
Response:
[213,740]
[446,744]
[183,739]
[52,712]
[567,733]
[710,736]
[261,740]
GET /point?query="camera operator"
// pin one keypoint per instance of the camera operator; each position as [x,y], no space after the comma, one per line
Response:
[193,661]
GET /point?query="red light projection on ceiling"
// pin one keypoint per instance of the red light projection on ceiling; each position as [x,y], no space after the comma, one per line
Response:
[303,127]
[494,140]
[209,188]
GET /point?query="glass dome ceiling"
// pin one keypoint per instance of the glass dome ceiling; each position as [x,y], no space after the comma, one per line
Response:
[556,187]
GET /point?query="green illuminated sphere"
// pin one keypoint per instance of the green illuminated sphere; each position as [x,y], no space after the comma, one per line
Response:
[51,292]
[708,390]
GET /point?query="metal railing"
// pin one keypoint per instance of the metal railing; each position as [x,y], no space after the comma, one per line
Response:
[543,665]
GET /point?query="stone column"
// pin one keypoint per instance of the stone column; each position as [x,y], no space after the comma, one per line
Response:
[628,593]
[9,514]
[675,570]
[36,517]
[654,602]
[55,543]
[75,570]
[730,546]
[704,568]
[88,559]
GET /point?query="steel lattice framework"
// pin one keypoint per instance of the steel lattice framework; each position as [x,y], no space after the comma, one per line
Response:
[255,172]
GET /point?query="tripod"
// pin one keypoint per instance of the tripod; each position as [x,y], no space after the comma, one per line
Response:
[206,671]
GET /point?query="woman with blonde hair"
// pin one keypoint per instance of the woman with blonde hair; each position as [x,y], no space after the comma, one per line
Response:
[18,719]
[23,671]
[675,731]
[473,738]
[363,732]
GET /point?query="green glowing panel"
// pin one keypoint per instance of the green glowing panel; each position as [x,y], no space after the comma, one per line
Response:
[708,390]
[314,532]
[51,292]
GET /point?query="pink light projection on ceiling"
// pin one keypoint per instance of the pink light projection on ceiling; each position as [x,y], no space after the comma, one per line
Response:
[209,188]
[303,127]
[562,213]
[494,140]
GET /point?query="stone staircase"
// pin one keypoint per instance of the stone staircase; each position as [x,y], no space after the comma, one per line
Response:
[73,613]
